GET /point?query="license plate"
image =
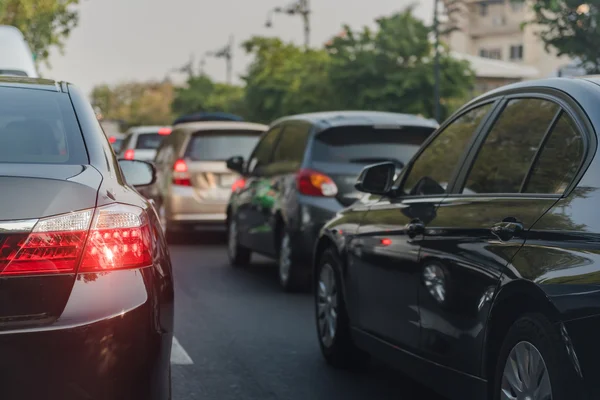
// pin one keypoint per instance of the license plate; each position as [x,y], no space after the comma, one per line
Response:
[227,180]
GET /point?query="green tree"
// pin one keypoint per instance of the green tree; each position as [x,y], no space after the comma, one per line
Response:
[285,79]
[391,68]
[137,103]
[572,27]
[202,94]
[44,23]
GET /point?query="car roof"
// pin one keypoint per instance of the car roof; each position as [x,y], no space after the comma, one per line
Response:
[145,129]
[331,119]
[191,127]
[30,83]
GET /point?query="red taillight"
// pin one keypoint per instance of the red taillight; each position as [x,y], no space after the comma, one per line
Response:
[238,185]
[180,173]
[112,139]
[114,237]
[129,154]
[164,131]
[119,238]
[313,183]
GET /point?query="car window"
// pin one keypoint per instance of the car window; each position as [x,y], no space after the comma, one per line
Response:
[432,170]
[508,150]
[261,156]
[126,142]
[292,145]
[369,144]
[148,141]
[219,145]
[558,160]
[38,126]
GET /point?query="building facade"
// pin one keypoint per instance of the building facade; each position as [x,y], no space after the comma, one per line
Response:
[494,29]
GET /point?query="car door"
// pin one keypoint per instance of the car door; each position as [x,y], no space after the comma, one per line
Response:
[478,229]
[384,256]
[254,196]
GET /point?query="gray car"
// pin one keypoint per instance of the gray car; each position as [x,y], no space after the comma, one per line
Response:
[193,182]
[302,173]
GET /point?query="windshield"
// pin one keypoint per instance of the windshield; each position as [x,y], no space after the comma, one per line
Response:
[367,145]
[149,141]
[39,126]
[221,145]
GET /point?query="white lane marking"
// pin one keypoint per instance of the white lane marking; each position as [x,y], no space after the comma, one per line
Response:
[178,354]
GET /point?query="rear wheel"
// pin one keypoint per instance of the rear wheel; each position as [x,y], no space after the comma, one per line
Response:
[533,363]
[291,276]
[238,255]
[333,324]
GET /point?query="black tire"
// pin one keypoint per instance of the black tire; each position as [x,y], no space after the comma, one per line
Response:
[341,352]
[239,256]
[539,331]
[294,278]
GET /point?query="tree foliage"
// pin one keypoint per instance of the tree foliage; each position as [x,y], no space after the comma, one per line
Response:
[572,27]
[138,103]
[44,23]
[202,94]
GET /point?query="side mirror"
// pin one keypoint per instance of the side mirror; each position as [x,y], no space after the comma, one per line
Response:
[138,173]
[377,179]
[236,164]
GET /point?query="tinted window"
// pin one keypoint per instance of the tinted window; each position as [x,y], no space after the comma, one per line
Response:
[38,126]
[432,171]
[221,145]
[559,159]
[511,145]
[366,144]
[264,150]
[148,141]
[292,145]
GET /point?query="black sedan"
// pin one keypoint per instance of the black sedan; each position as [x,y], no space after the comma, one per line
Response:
[86,292]
[477,271]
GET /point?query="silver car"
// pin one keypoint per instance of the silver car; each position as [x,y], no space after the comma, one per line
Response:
[193,182]
[141,142]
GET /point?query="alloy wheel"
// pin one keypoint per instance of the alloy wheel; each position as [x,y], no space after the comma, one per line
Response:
[525,375]
[327,305]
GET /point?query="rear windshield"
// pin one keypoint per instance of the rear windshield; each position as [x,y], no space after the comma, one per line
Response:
[149,141]
[365,144]
[40,127]
[221,145]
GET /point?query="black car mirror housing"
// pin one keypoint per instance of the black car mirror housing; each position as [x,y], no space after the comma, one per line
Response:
[377,179]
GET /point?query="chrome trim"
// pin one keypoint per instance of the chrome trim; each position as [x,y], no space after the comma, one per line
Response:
[25,226]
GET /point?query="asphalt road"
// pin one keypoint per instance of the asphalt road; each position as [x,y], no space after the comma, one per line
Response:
[239,337]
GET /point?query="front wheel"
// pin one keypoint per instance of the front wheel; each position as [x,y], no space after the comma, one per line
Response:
[532,363]
[238,255]
[333,324]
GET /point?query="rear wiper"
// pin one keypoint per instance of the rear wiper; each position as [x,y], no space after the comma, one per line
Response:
[399,164]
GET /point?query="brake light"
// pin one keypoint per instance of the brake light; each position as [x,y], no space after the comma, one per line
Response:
[238,185]
[112,237]
[181,175]
[129,154]
[112,139]
[119,239]
[313,183]
[164,131]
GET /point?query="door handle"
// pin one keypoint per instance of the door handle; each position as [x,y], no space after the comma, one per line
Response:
[508,228]
[415,227]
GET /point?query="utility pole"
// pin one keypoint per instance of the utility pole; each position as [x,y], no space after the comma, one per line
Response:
[226,53]
[436,62]
[299,7]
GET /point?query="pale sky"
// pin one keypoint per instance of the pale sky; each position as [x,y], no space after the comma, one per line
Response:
[123,40]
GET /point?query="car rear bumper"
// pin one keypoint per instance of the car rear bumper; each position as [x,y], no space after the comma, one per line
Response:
[188,206]
[112,341]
